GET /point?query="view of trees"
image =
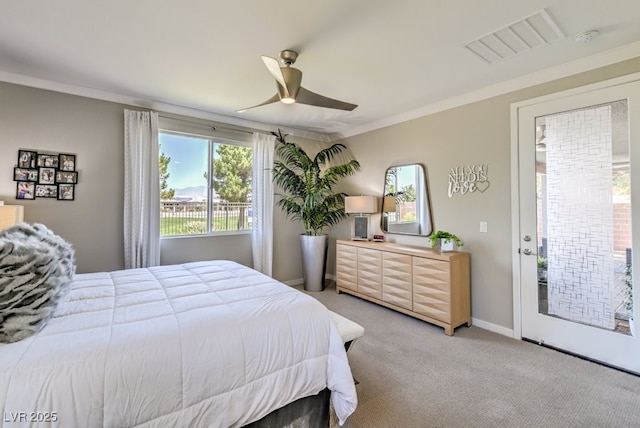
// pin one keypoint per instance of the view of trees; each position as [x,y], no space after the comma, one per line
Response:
[188,208]
[406,193]
[232,174]
[165,192]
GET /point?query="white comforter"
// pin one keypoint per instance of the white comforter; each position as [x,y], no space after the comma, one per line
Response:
[205,344]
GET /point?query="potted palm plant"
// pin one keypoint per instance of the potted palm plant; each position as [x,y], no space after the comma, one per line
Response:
[309,198]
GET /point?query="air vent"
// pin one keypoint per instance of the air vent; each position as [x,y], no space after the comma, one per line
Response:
[531,32]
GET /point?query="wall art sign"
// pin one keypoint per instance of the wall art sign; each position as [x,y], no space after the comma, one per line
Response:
[468,179]
[45,175]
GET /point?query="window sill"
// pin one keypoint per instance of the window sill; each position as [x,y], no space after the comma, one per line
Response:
[210,235]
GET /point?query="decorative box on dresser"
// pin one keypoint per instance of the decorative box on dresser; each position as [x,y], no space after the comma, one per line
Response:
[421,282]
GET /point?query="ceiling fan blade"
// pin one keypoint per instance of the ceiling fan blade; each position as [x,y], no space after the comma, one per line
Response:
[274,68]
[311,98]
[273,99]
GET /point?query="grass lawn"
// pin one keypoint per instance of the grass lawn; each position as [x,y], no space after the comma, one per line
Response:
[174,226]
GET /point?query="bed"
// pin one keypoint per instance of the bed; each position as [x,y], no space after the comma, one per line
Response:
[203,344]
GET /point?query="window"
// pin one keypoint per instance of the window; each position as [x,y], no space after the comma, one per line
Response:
[205,184]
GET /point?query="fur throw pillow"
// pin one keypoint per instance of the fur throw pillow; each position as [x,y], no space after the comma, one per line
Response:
[36,267]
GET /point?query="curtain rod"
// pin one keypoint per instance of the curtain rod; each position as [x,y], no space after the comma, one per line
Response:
[212,126]
[222,128]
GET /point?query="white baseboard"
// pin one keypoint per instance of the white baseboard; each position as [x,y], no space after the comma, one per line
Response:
[492,327]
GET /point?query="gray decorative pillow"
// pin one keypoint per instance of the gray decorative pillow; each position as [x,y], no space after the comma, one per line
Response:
[36,267]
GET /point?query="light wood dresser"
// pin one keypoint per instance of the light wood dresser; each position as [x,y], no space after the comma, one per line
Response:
[421,282]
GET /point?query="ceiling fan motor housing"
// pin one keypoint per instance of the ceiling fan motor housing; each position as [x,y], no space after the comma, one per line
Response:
[288,57]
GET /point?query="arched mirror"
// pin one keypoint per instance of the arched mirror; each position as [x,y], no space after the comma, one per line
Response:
[406,208]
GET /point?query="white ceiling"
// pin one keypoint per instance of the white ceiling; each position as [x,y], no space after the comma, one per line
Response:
[395,59]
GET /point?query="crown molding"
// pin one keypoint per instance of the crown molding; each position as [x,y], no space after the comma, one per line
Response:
[602,59]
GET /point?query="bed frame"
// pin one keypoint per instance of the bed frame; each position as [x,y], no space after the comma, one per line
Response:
[312,412]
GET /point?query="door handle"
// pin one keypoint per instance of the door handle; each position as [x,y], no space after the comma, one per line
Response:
[528,252]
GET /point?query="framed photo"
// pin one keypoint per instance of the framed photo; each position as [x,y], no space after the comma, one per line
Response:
[66,192]
[47,161]
[25,190]
[25,174]
[27,159]
[66,176]
[67,162]
[46,191]
[47,176]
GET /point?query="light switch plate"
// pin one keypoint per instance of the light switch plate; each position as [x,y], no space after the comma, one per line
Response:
[483,226]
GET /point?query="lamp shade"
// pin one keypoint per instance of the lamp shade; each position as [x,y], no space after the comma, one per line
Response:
[10,215]
[389,204]
[360,204]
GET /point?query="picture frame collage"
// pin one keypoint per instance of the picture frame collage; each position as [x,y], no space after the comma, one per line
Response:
[45,175]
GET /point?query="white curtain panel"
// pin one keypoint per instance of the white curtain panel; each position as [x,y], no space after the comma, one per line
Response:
[141,190]
[262,202]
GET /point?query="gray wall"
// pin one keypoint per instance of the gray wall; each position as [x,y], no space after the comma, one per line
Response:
[467,135]
[93,130]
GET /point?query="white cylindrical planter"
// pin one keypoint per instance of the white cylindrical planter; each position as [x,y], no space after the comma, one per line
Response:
[314,258]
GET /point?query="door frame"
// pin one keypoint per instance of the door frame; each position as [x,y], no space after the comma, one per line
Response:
[515,181]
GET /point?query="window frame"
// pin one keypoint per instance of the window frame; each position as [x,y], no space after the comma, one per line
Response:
[180,128]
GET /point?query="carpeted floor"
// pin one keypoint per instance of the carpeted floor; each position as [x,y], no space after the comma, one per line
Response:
[412,375]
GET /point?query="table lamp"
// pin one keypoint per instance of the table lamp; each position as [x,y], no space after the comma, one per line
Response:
[389,205]
[362,206]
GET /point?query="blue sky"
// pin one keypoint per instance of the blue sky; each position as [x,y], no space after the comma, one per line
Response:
[188,160]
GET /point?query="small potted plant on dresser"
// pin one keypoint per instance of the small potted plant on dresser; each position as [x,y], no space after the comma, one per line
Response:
[445,241]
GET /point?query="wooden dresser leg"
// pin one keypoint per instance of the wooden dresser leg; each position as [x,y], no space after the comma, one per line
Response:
[448,330]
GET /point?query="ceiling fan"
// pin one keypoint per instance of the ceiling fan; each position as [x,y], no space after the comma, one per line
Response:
[290,91]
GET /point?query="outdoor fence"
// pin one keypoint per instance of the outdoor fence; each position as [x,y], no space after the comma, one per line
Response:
[190,218]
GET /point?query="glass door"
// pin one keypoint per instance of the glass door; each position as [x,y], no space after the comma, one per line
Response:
[577,160]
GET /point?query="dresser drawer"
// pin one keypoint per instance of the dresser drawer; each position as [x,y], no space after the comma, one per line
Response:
[396,280]
[432,288]
[370,272]
[347,267]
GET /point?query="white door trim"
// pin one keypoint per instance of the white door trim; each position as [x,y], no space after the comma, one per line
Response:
[515,181]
